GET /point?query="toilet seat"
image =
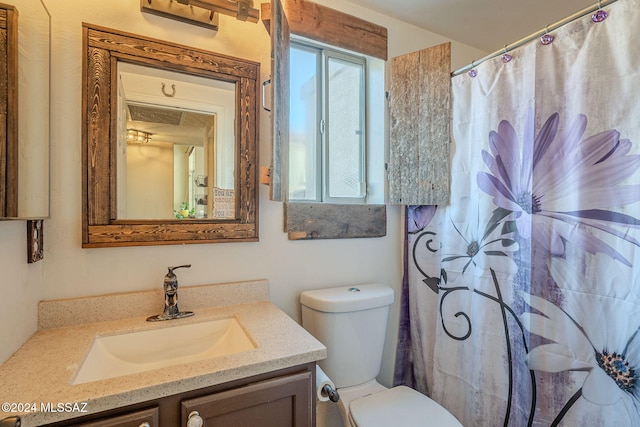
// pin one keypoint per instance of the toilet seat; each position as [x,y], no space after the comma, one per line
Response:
[399,406]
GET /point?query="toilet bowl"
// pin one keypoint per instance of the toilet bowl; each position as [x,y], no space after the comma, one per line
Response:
[352,322]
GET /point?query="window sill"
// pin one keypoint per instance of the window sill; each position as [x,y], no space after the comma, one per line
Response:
[308,221]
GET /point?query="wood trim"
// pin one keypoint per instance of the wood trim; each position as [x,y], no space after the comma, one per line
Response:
[333,27]
[166,233]
[308,221]
[103,49]
[4,99]
[8,111]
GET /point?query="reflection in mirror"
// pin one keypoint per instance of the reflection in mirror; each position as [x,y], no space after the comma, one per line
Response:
[29,166]
[176,145]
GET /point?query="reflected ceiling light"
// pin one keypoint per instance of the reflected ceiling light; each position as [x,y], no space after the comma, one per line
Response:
[136,136]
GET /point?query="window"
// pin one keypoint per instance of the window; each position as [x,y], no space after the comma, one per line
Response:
[327,155]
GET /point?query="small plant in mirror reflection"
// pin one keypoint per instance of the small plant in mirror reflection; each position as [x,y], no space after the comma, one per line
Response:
[184,211]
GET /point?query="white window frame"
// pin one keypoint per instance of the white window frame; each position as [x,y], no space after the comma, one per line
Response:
[324,55]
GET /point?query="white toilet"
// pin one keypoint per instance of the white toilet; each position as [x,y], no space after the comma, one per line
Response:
[351,322]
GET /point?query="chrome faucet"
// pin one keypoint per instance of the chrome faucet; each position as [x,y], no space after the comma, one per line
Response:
[171,310]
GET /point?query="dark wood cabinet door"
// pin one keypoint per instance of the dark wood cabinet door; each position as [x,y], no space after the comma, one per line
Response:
[277,402]
[144,418]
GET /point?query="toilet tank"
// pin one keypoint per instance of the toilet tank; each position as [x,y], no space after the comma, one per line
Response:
[351,322]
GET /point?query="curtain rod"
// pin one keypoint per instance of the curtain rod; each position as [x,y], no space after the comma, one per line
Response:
[525,40]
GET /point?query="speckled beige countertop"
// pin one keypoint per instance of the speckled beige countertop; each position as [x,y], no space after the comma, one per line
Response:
[43,369]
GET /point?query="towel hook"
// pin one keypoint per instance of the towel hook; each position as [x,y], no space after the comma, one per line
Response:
[173,90]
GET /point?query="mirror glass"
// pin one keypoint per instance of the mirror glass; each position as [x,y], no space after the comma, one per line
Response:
[33,108]
[176,145]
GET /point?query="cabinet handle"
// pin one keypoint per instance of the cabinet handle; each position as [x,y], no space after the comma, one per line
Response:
[195,420]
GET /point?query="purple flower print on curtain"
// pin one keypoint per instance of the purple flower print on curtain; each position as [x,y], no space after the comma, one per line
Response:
[476,241]
[418,217]
[546,205]
[603,350]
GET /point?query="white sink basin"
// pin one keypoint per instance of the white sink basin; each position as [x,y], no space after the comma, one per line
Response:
[129,353]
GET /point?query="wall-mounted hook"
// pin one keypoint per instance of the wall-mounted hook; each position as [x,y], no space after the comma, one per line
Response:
[173,91]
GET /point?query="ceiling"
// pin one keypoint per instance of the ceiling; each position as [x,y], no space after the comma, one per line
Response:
[484,24]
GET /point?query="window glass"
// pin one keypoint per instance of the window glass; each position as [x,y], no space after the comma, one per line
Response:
[345,151]
[327,141]
[304,158]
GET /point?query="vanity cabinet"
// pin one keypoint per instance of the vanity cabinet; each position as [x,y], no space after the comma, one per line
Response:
[276,402]
[283,398]
[144,418]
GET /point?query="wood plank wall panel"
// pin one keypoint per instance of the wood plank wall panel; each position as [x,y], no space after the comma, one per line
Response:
[333,27]
[420,122]
[306,221]
[336,28]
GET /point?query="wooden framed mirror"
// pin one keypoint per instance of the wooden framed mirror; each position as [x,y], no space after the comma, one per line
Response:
[134,192]
[24,109]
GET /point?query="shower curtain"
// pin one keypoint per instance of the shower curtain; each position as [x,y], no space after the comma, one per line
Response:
[521,298]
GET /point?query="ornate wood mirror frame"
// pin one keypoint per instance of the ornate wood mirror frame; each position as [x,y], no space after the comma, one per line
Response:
[103,49]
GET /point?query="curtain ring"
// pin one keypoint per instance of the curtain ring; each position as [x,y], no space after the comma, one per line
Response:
[546,37]
[473,72]
[505,56]
[600,14]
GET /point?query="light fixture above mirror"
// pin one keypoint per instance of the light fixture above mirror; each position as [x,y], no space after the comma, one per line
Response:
[203,13]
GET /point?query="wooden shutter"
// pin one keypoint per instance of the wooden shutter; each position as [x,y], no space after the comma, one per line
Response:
[420,122]
[280,42]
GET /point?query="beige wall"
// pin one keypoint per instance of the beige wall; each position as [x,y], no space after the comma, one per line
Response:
[150,181]
[291,267]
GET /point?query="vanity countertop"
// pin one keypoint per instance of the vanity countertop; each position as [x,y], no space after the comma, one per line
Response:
[41,372]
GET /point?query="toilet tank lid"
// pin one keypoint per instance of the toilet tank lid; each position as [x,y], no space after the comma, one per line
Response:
[347,298]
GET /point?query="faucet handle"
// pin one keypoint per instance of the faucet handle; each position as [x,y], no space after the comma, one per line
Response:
[170,279]
[180,266]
